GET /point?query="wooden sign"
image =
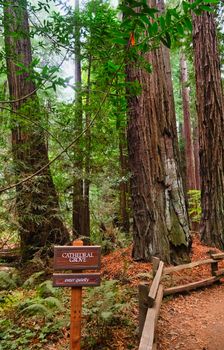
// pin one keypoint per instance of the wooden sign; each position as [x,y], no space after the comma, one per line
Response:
[76,280]
[77,257]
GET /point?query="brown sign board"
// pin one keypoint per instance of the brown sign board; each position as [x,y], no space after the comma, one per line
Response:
[77,257]
[76,280]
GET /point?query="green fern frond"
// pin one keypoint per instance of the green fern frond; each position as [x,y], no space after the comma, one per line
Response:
[32,279]
[53,303]
[6,281]
[36,309]
[46,289]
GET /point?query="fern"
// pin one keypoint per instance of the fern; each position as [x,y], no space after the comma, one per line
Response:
[32,279]
[53,303]
[46,289]
[36,309]
[104,303]
[6,281]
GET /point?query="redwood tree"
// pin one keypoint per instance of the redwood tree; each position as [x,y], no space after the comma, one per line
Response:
[37,204]
[187,133]
[160,224]
[210,109]
[80,205]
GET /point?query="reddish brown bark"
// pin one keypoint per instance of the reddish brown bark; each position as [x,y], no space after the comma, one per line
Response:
[160,226]
[196,158]
[210,109]
[188,144]
[80,211]
[124,193]
[36,201]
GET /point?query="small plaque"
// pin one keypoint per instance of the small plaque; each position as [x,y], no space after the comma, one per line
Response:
[76,280]
[77,257]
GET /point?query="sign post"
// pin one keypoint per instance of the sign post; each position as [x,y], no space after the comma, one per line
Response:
[76,310]
[77,258]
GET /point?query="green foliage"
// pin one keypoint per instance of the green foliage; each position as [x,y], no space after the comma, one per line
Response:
[35,309]
[9,280]
[105,50]
[194,200]
[33,336]
[27,320]
[46,289]
[103,307]
[42,307]
[33,279]
[13,337]
[103,304]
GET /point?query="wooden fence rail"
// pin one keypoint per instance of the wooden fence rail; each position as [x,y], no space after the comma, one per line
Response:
[150,299]
[148,334]
[149,306]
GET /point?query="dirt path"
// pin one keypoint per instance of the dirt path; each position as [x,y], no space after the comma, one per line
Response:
[193,322]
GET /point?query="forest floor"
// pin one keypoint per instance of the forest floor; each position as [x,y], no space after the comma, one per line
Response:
[193,321]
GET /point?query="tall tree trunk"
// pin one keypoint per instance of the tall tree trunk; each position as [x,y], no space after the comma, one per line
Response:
[87,154]
[210,109]
[196,157]
[188,144]
[123,219]
[36,200]
[124,212]
[80,217]
[161,226]
[182,158]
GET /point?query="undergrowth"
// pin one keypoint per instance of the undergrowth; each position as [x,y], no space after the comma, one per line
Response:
[36,317]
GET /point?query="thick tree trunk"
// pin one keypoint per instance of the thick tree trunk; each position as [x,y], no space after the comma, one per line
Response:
[188,144]
[87,165]
[161,226]
[36,200]
[196,157]
[210,109]
[124,212]
[81,215]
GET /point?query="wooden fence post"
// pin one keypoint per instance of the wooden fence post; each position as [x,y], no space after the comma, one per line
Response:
[76,312]
[155,265]
[214,268]
[143,291]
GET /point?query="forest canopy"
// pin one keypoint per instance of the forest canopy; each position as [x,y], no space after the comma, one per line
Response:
[96,139]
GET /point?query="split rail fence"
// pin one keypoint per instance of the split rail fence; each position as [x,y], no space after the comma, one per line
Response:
[150,299]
